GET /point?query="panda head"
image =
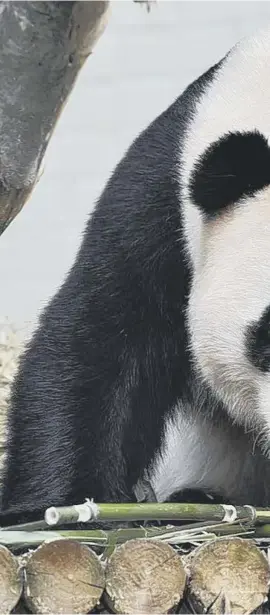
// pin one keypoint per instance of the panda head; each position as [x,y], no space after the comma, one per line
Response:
[225,192]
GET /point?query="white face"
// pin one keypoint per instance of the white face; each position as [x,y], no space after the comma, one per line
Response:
[231,251]
[231,290]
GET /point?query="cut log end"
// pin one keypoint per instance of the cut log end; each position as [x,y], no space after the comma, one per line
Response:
[63,576]
[229,575]
[10,581]
[144,577]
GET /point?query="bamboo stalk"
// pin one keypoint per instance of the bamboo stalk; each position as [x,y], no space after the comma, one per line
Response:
[34,526]
[172,534]
[262,531]
[91,512]
[99,537]
[205,514]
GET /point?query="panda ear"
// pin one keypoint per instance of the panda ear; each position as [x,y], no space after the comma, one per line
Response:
[235,166]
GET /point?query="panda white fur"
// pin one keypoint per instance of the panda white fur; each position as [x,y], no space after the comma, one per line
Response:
[153,359]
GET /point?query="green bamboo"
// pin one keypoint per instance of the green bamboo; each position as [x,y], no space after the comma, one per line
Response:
[182,512]
[123,513]
[262,531]
[262,515]
[165,512]
[34,526]
[152,511]
[19,538]
[174,535]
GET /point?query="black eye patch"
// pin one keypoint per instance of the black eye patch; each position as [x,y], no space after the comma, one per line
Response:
[235,166]
[257,342]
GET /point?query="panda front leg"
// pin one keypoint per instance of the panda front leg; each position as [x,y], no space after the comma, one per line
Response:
[80,427]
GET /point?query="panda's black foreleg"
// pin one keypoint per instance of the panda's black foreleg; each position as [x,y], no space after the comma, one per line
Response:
[81,428]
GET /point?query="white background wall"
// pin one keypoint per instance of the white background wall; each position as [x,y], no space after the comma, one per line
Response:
[141,63]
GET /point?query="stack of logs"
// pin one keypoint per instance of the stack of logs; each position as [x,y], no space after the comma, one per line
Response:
[228,575]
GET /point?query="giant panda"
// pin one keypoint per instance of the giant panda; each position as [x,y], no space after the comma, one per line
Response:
[152,361]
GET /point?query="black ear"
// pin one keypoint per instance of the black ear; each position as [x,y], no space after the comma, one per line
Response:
[258,342]
[235,166]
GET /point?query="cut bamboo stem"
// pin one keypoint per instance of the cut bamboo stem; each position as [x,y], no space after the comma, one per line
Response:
[92,512]
[214,518]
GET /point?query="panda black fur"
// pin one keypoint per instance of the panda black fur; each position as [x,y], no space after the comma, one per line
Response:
[147,360]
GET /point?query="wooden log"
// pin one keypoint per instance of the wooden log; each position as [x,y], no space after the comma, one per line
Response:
[10,581]
[144,576]
[228,575]
[63,576]
[43,47]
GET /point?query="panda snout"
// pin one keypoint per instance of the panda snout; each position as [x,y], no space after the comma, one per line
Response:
[257,342]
